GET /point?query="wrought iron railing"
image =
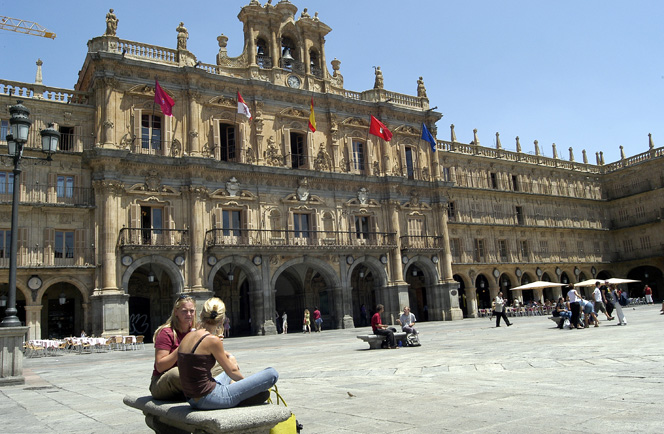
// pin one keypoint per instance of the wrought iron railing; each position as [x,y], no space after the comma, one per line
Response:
[300,238]
[421,242]
[45,194]
[154,238]
[49,256]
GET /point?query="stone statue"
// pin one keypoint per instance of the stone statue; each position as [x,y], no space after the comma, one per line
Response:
[111,23]
[183,35]
[378,84]
[305,14]
[421,90]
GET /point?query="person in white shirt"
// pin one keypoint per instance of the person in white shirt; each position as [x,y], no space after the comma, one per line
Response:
[499,310]
[407,321]
[574,306]
[600,302]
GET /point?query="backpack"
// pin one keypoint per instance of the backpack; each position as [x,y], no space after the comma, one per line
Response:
[624,301]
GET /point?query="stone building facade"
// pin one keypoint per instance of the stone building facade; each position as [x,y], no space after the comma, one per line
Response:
[138,207]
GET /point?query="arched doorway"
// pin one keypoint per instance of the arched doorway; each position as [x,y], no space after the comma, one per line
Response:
[548,293]
[301,287]
[463,301]
[417,293]
[648,275]
[363,281]
[62,311]
[231,284]
[483,293]
[150,299]
[506,287]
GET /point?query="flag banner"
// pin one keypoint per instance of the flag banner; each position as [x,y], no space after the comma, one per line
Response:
[312,117]
[377,128]
[426,136]
[242,107]
[165,102]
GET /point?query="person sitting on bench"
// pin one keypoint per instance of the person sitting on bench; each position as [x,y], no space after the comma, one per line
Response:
[381,329]
[407,321]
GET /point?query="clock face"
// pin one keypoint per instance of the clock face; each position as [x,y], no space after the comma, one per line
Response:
[127,260]
[294,81]
[34,282]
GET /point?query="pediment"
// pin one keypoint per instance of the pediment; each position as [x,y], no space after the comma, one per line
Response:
[355,121]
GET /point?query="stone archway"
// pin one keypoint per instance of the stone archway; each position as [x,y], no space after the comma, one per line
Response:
[366,276]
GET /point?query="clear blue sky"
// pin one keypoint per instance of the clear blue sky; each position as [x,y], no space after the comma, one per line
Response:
[587,74]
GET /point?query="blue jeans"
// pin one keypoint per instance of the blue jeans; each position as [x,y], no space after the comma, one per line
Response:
[228,395]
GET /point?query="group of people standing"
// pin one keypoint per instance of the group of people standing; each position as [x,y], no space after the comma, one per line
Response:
[605,298]
[306,322]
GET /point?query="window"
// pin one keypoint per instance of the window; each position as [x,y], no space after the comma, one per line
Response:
[4,130]
[65,186]
[66,138]
[519,215]
[563,248]
[227,142]
[480,251]
[297,150]
[151,132]
[455,247]
[301,225]
[580,247]
[6,183]
[64,244]
[502,250]
[628,246]
[362,227]
[231,222]
[596,247]
[645,242]
[451,211]
[446,174]
[358,156]
[494,180]
[5,243]
[416,232]
[525,251]
[515,183]
[410,165]
[544,247]
[152,219]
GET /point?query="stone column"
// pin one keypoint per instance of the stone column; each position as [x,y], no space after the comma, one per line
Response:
[445,263]
[111,314]
[108,108]
[108,194]
[263,303]
[396,265]
[194,121]
[471,302]
[197,216]
[33,321]
[11,355]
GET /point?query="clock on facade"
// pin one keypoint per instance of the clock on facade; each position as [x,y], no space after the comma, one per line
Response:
[293,81]
[127,260]
[34,283]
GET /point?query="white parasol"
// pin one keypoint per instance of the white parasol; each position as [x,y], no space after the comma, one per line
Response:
[539,284]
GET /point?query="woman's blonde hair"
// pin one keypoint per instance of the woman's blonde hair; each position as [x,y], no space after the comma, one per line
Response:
[213,311]
[172,320]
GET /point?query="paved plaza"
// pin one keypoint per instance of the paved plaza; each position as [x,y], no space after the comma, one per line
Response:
[468,376]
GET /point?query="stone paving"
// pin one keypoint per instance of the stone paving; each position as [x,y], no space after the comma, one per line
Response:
[468,376]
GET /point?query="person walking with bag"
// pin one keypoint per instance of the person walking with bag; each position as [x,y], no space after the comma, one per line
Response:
[499,310]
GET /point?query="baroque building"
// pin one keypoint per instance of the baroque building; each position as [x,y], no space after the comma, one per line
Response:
[138,207]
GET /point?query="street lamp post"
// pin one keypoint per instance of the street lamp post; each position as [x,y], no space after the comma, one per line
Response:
[19,128]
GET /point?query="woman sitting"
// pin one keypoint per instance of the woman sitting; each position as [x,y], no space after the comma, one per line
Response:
[197,355]
[562,311]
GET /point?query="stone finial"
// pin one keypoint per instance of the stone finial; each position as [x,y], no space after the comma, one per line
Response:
[421,90]
[316,17]
[476,140]
[38,77]
[599,162]
[183,35]
[622,152]
[651,144]
[555,152]
[453,138]
[537,149]
[498,145]
[335,66]
[111,23]
[601,157]
[518,145]
[378,83]
[222,40]
[585,156]
[571,154]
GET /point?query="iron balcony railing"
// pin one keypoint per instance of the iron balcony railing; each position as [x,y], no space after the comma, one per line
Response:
[298,238]
[421,242]
[51,195]
[49,256]
[153,238]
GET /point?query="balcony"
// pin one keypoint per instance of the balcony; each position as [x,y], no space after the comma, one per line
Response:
[650,216]
[153,239]
[49,195]
[296,240]
[421,243]
[48,257]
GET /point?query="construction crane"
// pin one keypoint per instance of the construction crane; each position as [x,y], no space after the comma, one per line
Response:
[23,26]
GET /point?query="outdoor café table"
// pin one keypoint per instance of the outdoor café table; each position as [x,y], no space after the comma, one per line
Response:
[46,343]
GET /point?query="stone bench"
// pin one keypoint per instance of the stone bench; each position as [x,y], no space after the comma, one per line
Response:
[557,319]
[375,341]
[179,417]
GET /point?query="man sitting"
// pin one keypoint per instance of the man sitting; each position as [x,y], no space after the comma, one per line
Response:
[381,329]
[407,321]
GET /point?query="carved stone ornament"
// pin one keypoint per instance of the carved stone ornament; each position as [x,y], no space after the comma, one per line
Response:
[176,148]
[273,156]
[250,158]
[363,195]
[126,141]
[414,198]
[108,124]
[376,168]
[323,160]
[303,190]
[232,187]
[152,181]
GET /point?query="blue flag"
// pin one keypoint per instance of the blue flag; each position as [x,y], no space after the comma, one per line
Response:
[426,135]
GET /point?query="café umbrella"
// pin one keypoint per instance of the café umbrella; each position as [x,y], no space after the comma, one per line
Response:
[538,284]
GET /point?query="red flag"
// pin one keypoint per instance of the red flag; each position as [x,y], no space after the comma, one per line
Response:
[312,117]
[379,129]
[165,102]
[242,107]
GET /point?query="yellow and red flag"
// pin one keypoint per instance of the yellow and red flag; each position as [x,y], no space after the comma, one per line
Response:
[312,117]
